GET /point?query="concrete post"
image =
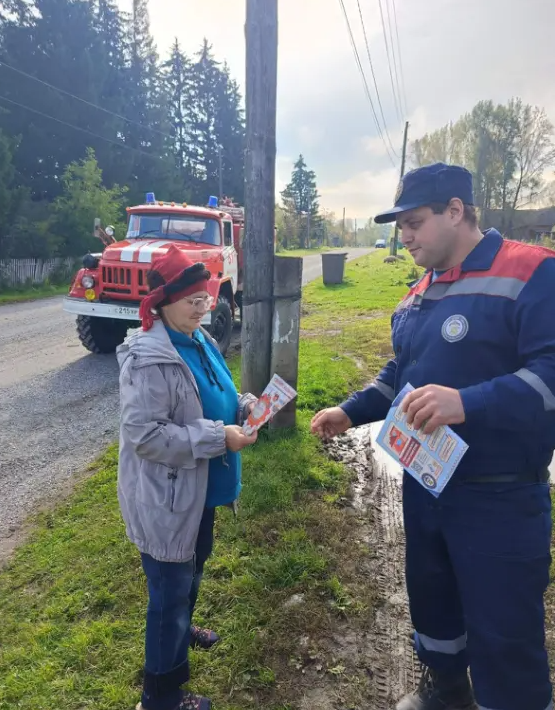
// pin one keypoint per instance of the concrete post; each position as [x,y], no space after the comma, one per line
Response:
[288,277]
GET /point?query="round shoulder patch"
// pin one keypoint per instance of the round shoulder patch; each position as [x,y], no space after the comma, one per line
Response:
[454,329]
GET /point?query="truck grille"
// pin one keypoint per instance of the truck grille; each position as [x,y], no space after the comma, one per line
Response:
[124,280]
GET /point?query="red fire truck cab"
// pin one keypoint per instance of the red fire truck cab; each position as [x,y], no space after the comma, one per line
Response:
[106,293]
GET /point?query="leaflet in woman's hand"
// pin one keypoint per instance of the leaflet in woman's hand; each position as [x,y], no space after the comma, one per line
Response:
[430,458]
[276,395]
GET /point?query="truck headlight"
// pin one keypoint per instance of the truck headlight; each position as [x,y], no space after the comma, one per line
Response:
[87,281]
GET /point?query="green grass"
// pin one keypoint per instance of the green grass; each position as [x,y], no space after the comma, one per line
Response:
[72,601]
[31,293]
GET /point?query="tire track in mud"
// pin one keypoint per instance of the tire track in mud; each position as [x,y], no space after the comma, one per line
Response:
[377,495]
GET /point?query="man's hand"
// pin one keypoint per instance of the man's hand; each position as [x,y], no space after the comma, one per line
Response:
[330,422]
[236,439]
[432,406]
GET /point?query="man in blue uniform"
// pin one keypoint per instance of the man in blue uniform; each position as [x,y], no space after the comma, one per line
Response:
[475,336]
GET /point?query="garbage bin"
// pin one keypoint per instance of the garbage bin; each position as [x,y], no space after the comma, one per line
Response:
[333,267]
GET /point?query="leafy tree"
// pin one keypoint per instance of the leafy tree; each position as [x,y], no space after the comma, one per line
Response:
[79,74]
[509,149]
[57,46]
[10,198]
[534,153]
[84,197]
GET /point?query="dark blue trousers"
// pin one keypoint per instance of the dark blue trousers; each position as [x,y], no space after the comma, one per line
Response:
[172,593]
[477,567]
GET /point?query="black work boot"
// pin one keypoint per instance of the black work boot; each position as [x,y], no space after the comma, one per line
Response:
[439,692]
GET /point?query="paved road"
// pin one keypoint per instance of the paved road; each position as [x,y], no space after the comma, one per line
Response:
[59,406]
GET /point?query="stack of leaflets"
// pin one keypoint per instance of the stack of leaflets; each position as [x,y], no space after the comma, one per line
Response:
[430,458]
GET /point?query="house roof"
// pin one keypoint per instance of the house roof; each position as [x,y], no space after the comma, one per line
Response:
[522,219]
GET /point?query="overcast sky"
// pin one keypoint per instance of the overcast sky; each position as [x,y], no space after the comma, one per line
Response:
[454,53]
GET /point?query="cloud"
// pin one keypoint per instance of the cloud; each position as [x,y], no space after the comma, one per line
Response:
[376,146]
[310,136]
[453,53]
[363,195]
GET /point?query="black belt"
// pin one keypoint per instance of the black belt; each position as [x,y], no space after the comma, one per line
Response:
[529,477]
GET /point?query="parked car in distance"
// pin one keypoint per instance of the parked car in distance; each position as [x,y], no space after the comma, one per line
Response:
[380,244]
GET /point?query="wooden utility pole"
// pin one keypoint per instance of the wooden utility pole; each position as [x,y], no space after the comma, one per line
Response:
[395,241]
[261,88]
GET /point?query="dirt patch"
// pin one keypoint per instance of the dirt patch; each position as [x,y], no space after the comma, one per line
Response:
[550,627]
[366,663]
[359,362]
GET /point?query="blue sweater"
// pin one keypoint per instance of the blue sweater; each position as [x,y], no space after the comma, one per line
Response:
[487,329]
[219,400]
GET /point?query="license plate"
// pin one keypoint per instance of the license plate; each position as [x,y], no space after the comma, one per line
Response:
[126,311]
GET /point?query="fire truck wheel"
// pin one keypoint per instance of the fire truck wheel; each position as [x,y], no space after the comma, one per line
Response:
[101,335]
[221,327]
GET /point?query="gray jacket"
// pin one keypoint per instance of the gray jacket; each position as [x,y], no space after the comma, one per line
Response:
[165,446]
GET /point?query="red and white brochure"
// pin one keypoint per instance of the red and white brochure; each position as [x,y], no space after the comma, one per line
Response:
[276,395]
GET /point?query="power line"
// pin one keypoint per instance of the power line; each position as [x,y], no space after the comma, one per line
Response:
[374,77]
[394,53]
[389,62]
[400,57]
[366,87]
[84,101]
[82,130]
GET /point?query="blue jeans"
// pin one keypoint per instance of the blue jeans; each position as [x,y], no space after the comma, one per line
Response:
[477,568]
[172,594]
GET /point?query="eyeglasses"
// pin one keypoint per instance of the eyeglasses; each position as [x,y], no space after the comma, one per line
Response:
[202,303]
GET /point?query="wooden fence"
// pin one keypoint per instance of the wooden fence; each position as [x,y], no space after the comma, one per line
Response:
[18,272]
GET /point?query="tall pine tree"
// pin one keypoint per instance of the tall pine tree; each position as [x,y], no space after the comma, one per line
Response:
[300,198]
[204,148]
[80,74]
[229,130]
[178,78]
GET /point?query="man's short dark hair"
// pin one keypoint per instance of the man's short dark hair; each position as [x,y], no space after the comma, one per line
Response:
[470,214]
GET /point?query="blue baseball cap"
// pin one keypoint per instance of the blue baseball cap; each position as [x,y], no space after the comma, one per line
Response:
[437,183]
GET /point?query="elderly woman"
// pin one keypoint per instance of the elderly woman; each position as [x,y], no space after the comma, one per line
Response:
[180,444]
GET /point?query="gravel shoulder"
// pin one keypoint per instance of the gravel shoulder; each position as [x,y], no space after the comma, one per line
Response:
[59,406]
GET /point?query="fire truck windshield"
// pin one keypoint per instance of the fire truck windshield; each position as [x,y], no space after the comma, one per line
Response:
[187,228]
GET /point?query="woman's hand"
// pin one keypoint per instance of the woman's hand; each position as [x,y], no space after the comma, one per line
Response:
[236,439]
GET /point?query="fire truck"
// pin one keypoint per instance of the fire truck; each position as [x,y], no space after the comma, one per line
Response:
[106,292]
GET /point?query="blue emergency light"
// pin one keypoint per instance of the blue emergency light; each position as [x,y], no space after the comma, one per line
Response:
[212,201]
[150,199]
